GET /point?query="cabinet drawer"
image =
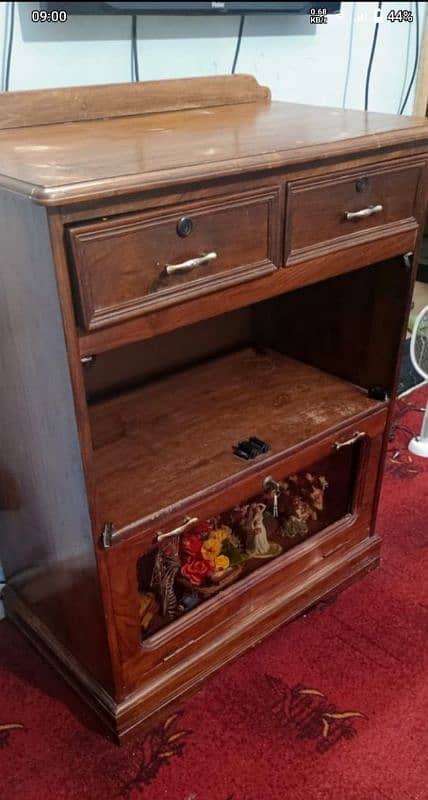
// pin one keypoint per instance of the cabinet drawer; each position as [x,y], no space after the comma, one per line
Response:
[141,262]
[340,211]
[324,501]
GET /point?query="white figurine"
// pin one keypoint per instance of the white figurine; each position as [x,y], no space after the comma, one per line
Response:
[260,544]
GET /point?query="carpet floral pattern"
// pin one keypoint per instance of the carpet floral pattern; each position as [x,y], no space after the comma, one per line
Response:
[330,707]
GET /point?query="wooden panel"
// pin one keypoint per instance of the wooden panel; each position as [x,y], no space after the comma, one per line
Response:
[121,264]
[46,539]
[421,94]
[309,500]
[349,325]
[76,103]
[125,369]
[243,181]
[57,164]
[236,605]
[316,210]
[306,273]
[172,439]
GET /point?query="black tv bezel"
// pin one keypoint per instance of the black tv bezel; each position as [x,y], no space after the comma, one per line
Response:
[156,8]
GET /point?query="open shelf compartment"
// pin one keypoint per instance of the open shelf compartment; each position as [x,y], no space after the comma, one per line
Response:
[287,370]
[173,439]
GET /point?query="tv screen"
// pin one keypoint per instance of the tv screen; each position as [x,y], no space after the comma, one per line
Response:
[192,8]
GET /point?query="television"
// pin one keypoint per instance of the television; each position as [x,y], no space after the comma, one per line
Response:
[191,8]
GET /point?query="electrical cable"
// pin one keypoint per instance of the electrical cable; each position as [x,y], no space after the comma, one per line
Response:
[9,47]
[135,68]
[238,43]
[348,66]
[409,39]
[415,65]
[370,64]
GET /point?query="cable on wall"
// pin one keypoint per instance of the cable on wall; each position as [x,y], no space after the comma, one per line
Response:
[238,43]
[348,66]
[9,47]
[135,67]
[415,65]
[372,52]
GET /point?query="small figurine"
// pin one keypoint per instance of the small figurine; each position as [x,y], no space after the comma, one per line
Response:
[303,501]
[259,545]
[167,564]
[148,608]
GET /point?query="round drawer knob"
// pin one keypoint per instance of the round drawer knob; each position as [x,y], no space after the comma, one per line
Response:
[362,184]
[184,226]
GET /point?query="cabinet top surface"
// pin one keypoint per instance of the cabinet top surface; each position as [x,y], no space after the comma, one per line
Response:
[68,161]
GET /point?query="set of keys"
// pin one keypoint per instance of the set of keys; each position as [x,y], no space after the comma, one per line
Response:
[270,484]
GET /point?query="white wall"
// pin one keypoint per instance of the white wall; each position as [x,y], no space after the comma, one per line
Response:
[300,62]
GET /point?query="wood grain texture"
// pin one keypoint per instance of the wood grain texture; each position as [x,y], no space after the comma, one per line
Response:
[350,325]
[77,103]
[326,263]
[148,656]
[120,264]
[46,541]
[56,235]
[235,492]
[316,210]
[110,373]
[57,164]
[173,438]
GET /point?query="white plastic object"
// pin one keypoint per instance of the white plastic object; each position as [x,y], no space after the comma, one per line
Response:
[419,444]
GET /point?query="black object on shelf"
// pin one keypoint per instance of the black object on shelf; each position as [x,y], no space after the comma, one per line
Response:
[251,448]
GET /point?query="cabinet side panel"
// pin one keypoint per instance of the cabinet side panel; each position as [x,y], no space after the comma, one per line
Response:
[45,534]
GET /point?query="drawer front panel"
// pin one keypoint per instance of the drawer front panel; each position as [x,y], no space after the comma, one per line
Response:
[324,502]
[342,211]
[221,551]
[142,262]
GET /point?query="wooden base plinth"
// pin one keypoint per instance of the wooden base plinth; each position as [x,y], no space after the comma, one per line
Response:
[141,709]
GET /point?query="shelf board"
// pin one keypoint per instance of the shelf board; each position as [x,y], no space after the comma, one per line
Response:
[173,437]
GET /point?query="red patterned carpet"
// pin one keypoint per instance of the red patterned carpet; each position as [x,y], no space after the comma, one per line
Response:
[333,706]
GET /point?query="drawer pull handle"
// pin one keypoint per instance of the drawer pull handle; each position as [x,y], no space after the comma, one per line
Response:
[188,522]
[358,435]
[365,212]
[190,264]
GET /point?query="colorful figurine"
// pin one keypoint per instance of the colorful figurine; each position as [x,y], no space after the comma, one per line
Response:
[302,500]
[213,553]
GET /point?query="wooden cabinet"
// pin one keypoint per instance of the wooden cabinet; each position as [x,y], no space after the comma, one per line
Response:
[200,342]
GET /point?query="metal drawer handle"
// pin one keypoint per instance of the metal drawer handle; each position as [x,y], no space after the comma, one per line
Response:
[365,212]
[200,261]
[188,522]
[358,435]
